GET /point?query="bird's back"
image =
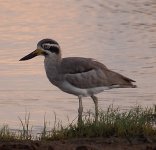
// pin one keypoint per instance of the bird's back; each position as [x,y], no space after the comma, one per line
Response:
[88,73]
[75,65]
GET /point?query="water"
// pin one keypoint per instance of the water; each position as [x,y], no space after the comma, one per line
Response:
[121,34]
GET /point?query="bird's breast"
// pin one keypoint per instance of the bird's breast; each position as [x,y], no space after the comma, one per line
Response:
[53,74]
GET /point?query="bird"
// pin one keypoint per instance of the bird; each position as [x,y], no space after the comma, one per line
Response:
[82,77]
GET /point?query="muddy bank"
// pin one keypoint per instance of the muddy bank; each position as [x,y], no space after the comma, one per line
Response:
[81,144]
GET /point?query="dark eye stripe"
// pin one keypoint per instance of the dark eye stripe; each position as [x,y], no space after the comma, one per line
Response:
[54,49]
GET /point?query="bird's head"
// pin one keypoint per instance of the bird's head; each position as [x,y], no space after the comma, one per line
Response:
[45,47]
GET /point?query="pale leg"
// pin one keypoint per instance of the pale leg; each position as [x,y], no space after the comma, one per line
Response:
[80,110]
[95,100]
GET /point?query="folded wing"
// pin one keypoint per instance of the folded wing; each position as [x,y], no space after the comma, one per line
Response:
[88,73]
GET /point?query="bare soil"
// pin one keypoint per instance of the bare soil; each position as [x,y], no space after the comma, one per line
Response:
[81,144]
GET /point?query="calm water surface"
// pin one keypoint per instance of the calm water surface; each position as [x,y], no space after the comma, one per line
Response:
[121,34]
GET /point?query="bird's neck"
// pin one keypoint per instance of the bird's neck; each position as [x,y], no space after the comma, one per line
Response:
[52,65]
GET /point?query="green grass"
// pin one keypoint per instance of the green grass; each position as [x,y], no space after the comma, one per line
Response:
[137,122]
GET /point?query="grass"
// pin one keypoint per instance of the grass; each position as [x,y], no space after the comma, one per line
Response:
[137,122]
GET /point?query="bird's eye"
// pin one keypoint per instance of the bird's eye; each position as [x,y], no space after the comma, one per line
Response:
[45,46]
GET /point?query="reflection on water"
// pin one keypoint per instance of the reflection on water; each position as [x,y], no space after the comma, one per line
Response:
[121,34]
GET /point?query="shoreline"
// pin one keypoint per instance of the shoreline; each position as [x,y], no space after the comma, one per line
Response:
[110,143]
[134,129]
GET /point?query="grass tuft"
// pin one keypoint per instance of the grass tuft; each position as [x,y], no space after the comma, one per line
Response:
[25,133]
[137,122]
[5,134]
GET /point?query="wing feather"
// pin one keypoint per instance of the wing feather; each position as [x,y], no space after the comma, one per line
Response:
[88,73]
[74,65]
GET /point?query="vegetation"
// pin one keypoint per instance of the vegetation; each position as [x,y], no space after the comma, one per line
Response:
[137,122]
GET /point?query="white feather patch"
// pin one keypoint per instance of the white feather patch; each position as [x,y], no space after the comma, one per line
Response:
[67,87]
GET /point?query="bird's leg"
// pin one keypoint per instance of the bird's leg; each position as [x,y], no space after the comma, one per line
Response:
[95,100]
[80,110]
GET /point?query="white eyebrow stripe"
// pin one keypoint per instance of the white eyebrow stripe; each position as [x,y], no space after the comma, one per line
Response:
[54,45]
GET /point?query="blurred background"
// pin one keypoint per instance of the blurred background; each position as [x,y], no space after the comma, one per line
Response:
[121,34]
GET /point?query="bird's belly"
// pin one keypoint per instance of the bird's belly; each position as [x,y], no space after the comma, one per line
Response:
[68,88]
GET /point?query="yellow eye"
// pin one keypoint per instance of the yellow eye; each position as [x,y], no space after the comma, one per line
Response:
[46,46]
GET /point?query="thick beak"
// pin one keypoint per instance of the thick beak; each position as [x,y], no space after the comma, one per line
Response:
[32,55]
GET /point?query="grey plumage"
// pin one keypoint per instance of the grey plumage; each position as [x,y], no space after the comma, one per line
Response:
[77,75]
[88,73]
[85,73]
